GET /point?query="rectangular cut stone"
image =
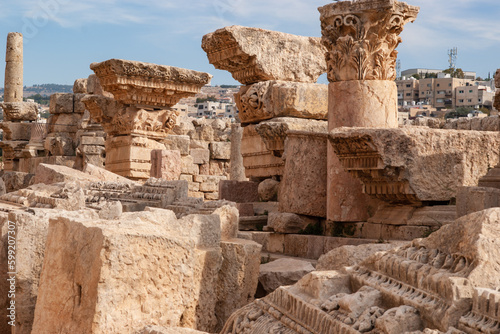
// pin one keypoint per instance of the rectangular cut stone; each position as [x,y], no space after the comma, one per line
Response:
[270,99]
[415,164]
[239,191]
[220,150]
[19,111]
[137,83]
[181,143]
[91,140]
[303,187]
[16,131]
[159,269]
[244,52]
[259,162]
[474,199]
[62,103]
[166,164]
[200,156]
[130,156]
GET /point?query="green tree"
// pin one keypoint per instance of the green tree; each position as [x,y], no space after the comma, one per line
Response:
[416,76]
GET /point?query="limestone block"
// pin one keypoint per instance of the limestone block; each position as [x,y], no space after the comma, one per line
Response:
[238,277]
[272,99]
[268,190]
[188,166]
[60,145]
[239,191]
[169,330]
[237,169]
[220,150]
[474,199]
[401,319]
[363,103]
[435,216]
[16,180]
[92,140]
[79,106]
[111,211]
[305,246]
[166,164]
[393,215]
[49,174]
[283,272]
[16,131]
[19,111]
[229,219]
[80,86]
[415,164]
[243,52]
[200,156]
[14,68]
[63,123]
[303,187]
[322,284]
[491,123]
[103,175]
[346,256]
[175,142]
[3,188]
[94,87]
[259,161]
[62,103]
[245,209]
[138,83]
[154,268]
[208,187]
[366,297]
[218,167]
[288,222]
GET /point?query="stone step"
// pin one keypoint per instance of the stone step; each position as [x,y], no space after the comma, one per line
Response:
[255,223]
[267,257]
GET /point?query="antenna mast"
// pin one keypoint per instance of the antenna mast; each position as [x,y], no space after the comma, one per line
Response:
[453,53]
[398,69]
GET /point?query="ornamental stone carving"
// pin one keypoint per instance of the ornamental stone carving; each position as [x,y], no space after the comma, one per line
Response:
[253,55]
[145,84]
[361,38]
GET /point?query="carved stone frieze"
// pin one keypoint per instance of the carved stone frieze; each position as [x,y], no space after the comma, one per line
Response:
[19,111]
[144,84]
[361,38]
[120,119]
[414,164]
[245,53]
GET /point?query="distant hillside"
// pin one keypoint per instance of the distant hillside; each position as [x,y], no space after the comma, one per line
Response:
[45,89]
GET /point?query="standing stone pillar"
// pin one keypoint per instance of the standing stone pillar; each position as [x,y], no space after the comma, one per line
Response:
[361,38]
[13,90]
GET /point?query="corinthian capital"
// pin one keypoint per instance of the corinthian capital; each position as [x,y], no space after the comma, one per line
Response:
[361,38]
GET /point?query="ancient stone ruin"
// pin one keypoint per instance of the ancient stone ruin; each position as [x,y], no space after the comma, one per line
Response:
[314,212]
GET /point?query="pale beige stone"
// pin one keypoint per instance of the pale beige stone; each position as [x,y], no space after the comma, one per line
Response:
[220,150]
[14,68]
[259,162]
[104,175]
[62,103]
[111,211]
[80,86]
[237,172]
[244,52]
[238,277]
[425,164]
[176,142]
[16,131]
[288,222]
[49,174]
[177,260]
[229,219]
[346,256]
[474,199]
[283,272]
[166,164]
[271,99]
[200,155]
[341,24]
[169,330]
[19,111]
[138,83]
[363,103]
[268,190]
[398,320]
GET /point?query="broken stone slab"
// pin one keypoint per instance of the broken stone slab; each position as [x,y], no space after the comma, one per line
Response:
[138,83]
[244,52]
[303,186]
[283,272]
[16,131]
[349,255]
[271,99]
[275,131]
[238,277]
[62,103]
[166,164]
[239,191]
[177,260]
[80,86]
[104,175]
[416,164]
[16,180]
[49,174]
[288,223]
[19,111]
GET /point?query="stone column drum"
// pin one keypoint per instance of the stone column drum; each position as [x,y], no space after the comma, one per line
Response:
[361,38]
[14,68]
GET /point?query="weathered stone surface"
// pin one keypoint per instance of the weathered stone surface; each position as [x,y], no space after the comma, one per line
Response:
[415,164]
[346,256]
[371,30]
[288,222]
[258,160]
[111,211]
[138,83]
[401,319]
[229,219]
[268,190]
[19,111]
[80,86]
[104,175]
[238,277]
[175,142]
[283,272]
[16,180]
[303,187]
[166,164]
[49,174]
[239,191]
[16,131]
[363,103]
[220,150]
[271,99]
[14,68]
[200,155]
[237,171]
[62,103]
[94,87]
[244,52]
[169,330]
[474,199]
[180,260]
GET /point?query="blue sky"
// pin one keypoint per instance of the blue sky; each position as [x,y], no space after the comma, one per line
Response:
[62,37]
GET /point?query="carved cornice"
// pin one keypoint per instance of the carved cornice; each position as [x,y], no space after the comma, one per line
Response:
[362,36]
[144,84]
